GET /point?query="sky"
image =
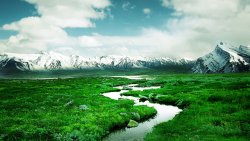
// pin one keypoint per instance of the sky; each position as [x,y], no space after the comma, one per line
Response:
[154,28]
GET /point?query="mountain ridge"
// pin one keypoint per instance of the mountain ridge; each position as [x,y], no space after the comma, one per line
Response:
[55,61]
[224,58]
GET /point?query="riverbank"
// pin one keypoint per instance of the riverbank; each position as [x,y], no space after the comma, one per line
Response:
[164,113]
[215,106]
[63,109]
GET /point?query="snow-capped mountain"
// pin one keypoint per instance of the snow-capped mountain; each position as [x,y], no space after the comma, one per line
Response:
[45,61]
[225,58]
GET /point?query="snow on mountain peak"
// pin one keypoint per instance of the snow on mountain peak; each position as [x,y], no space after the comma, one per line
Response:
[226,47]
[225,58]
[56,61]
[232,51]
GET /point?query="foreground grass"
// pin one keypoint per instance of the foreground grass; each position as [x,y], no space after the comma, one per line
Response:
[63,109]
[215,106]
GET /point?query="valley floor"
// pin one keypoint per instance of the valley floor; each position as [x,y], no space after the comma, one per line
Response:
[215,107]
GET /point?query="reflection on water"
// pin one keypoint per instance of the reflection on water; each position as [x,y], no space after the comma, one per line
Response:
[136,88]
[164,113]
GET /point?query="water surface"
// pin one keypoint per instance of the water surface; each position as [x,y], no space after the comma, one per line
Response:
[164,113]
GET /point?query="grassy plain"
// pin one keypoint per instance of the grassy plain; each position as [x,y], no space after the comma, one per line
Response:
[63,109]
[215,107]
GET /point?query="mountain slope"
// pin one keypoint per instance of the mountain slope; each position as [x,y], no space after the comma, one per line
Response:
[225,58]
[46,61]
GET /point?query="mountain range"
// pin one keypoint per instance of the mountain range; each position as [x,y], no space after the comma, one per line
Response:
[51,61]
[224,58]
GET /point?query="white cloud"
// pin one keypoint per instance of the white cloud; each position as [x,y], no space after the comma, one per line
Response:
[66,51]
[127,6]
[146,11]
[88,41]
[35,34]
[46,31]
[35,27]
[151,42]
[166,3]
[204,8]
[193,30]
[3,46]
[199,24]
[74,13]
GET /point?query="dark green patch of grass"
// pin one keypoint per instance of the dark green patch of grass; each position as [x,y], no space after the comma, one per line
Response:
[50,109]
[215,107]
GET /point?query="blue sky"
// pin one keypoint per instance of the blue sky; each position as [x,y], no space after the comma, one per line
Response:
[121,19]
[158,28]
[130,21]
[13,10]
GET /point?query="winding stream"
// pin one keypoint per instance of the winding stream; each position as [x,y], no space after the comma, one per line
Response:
[164,113]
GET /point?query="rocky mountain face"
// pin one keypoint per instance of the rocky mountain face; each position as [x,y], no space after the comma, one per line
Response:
[46,61]
[224,59]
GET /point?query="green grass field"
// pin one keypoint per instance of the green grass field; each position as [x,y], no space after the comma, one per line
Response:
[50,109]
[215,107]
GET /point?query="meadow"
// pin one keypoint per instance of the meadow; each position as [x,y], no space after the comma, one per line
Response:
[215,107]
[63,109]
